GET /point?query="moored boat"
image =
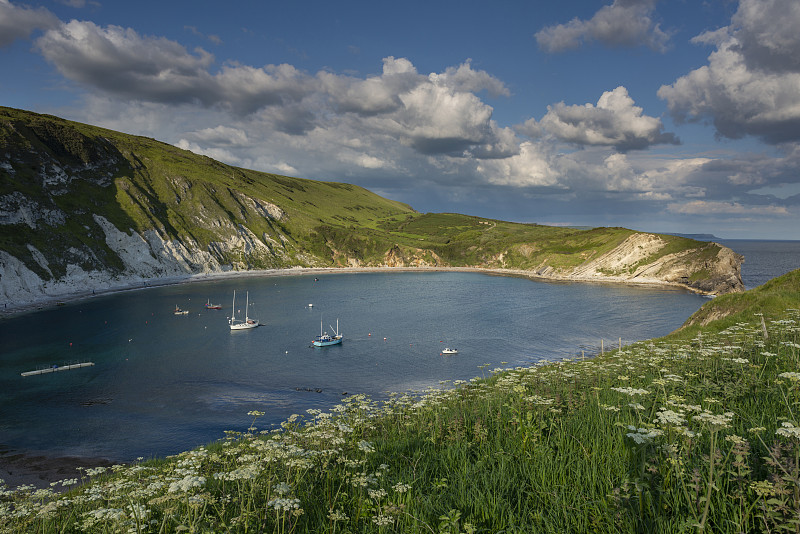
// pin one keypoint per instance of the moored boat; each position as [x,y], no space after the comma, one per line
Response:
[239,324]
[179,311]
[324,339]
[450,351]
[210,306]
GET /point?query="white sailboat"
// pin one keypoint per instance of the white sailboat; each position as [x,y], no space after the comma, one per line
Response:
[248,322]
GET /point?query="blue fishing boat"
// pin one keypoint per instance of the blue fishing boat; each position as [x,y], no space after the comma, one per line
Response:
[324,339]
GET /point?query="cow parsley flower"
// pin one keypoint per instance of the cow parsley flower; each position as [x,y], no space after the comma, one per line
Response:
[643,436]
[631,391]
[376,494]
[382,520]
[366,446]
[401,488]
[282,489]
[287,505]
[669,417]
[788,430]
[186,484]
[337,515]
[715,421]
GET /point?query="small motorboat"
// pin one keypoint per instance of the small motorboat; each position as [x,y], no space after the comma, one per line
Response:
[210,306]
[179,311]
[450,351]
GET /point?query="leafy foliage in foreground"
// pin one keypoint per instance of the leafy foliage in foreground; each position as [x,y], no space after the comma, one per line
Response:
[665,435]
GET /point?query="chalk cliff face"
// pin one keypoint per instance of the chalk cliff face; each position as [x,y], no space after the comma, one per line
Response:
[150,257]
[145,257]
[82,209]
[638,259]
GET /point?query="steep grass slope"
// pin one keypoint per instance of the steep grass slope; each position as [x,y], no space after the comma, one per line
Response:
[84,205]
[770,300]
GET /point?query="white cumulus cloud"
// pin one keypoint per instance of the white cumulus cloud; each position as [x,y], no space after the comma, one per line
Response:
[531,167]
[121,62]
[751,84]
[373,95]
[465,78]
[615,121]
[625,23]
[435,114]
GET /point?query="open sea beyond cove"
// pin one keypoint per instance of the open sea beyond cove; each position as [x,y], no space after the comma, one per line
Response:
[163,383]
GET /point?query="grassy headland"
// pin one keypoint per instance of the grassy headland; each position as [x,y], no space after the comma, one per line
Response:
[80,197]
[695,432]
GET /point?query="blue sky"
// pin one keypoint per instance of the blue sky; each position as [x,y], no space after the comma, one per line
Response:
[665,116]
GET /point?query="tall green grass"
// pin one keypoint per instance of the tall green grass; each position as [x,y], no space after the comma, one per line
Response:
[697,435]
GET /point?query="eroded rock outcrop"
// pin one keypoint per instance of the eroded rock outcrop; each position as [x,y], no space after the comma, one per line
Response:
[710,269]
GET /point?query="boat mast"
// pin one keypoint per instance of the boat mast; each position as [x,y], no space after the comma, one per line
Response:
[246,305]
[233,309]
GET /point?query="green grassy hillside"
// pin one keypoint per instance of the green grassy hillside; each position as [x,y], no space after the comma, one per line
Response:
[57,177]
[141,184]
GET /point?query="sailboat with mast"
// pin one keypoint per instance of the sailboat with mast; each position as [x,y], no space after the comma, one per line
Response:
[324,339]
[238,324]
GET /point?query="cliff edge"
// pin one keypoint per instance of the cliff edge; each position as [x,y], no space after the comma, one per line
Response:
[710,268]
[86,209]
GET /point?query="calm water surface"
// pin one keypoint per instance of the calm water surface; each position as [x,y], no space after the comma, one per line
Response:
[764,260]
[164,383]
